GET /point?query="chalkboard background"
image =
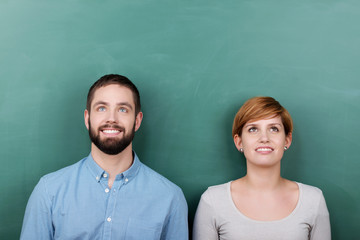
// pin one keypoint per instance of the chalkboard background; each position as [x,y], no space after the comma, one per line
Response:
[195,63]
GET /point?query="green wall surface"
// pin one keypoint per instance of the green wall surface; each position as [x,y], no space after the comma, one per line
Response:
[195,63]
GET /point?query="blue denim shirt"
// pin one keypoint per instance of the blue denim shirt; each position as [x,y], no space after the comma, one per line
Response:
[76,203]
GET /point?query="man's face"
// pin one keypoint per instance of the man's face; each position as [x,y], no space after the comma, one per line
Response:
[111,121]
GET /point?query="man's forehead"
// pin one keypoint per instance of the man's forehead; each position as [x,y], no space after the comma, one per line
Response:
[113,93]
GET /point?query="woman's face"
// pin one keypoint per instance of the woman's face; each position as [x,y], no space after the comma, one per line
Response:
[263,141]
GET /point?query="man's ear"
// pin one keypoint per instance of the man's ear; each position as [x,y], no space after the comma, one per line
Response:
[86,118]
[238,142]
[138,120]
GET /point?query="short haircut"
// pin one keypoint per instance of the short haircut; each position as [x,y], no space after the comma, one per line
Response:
[257,108]
[114,79]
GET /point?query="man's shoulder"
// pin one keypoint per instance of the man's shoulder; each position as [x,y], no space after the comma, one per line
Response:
[64,173]
[157,180]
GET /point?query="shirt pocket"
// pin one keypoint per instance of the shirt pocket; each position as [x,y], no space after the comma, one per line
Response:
[139,229]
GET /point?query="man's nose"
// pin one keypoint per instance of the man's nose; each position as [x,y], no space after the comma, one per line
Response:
[112,116]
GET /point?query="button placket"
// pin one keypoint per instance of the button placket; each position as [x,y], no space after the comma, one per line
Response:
[111,216]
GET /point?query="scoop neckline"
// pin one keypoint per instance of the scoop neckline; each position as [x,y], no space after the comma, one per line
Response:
[293,212]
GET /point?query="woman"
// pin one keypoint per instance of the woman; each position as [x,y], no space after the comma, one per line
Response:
[262,204]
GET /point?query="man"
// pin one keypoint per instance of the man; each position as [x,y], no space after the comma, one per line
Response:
[110,194]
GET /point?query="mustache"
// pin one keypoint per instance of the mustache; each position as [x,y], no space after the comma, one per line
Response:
[114,126]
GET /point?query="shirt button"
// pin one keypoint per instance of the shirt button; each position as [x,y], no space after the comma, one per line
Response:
[97,178]
[108,219]
[105,175]
[106,190]
[126,180]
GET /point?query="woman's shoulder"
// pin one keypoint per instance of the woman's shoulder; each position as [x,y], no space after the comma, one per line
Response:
[312,202]
[217,199]
[309,190]
[312,197]
[218,189]
[213,193]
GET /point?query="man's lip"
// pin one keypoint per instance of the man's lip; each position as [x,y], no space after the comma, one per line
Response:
[111,131]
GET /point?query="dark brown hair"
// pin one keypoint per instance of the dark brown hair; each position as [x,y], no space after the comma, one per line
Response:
[114,79]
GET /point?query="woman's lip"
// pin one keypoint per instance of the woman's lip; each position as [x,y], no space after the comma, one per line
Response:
[264,149]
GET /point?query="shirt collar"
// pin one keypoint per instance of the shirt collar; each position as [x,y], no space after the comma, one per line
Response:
[95,169]
[98,172]
[133,170]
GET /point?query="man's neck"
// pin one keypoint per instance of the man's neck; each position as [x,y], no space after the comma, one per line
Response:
[113,164]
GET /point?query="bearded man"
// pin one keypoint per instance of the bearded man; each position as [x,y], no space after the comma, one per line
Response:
[109,194]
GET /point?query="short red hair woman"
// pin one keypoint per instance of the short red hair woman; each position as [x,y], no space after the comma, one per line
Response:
[262,204]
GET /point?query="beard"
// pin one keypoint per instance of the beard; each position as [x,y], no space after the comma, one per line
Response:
[111,146]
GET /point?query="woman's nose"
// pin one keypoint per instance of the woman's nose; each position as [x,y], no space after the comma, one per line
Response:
[264,136]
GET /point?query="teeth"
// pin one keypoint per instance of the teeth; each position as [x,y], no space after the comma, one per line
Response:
[110,131]
[263,149]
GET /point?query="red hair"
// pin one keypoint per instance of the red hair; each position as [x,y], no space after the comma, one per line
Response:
[257,108]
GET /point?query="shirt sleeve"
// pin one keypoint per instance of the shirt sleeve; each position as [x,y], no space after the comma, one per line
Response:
[321,229]
[177,226]
[37,220]
[204,223]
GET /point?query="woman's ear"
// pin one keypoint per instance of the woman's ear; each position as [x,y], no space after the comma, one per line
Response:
[288,140]
[238,142]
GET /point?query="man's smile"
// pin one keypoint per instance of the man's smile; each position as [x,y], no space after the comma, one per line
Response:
[109,130]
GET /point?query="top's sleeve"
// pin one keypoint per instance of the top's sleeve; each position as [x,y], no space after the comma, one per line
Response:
[37,222]
[204,224]
[177,226]
[321,229]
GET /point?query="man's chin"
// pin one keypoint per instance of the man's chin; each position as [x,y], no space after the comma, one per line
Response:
[110,149]
[110,143]
[109,140]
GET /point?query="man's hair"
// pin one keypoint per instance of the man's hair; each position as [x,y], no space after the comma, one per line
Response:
[114,79]
[257,108]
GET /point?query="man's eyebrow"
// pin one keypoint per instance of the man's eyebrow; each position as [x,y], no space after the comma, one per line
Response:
[118,104]
[125,104]
[100,103]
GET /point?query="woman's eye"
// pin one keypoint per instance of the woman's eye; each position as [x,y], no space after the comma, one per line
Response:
[274,129]
[252,129]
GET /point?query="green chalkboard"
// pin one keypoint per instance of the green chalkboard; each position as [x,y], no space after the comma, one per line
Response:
[195,63]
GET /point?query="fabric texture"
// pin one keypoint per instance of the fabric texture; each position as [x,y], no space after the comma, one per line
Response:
[76,203]
[217,218]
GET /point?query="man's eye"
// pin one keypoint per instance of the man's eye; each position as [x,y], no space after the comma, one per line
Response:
[101,109]
[123,110]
